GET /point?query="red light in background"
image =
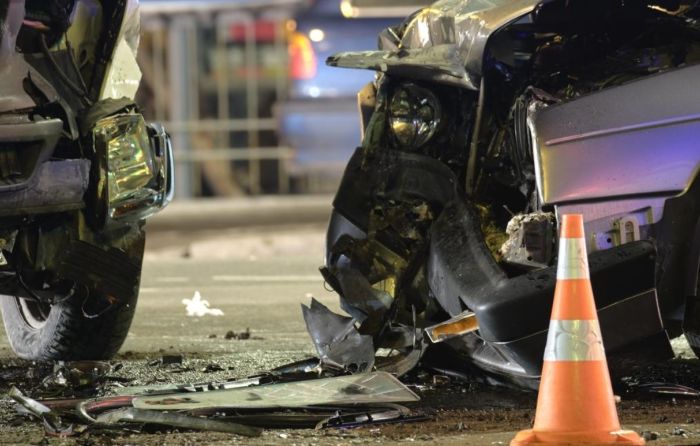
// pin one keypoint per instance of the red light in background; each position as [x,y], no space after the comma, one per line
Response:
[302,57]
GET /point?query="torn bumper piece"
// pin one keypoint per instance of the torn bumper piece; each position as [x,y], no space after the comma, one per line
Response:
[337,341]
[440,63]
[56,186]
[513,313]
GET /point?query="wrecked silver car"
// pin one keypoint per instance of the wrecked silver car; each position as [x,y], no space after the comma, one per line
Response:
[487,121]
[80,171]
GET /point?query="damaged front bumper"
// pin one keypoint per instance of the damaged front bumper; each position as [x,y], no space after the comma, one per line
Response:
[429,262]
[130,179]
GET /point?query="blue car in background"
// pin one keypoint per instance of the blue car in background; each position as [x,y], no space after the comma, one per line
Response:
[321,120]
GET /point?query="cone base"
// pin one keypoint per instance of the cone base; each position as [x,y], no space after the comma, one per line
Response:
[532,438]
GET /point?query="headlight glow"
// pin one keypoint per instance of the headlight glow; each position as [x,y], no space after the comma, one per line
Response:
[414,116]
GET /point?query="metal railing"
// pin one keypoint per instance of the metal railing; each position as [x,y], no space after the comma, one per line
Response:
[189,74]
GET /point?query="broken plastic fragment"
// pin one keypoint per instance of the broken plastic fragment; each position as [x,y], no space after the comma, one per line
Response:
[338,343]
[459,325]
[199,307]
[366,388]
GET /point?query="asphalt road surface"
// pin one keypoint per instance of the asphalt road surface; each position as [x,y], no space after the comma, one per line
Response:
[258,280]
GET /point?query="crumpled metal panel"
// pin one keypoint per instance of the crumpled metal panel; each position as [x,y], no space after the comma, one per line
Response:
[338,343]
[448,34]
[123,74]
[439,63]
[366,388]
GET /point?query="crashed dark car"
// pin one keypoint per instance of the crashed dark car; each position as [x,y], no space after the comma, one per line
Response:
[80,171]
[486,122]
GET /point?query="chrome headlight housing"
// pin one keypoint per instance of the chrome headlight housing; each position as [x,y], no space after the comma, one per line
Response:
[135,175]
[414,115]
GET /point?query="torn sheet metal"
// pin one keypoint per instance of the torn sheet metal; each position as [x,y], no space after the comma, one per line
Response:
[131,415]
[358,297]
[439,64]
[668,389]
[52,423]
[448,38]
[164,389]
[369,388]
[123,73]
[318,417]
[399,363]
[337,340]
[396,414]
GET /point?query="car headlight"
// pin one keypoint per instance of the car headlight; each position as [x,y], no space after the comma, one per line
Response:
[134,167]
[414,115]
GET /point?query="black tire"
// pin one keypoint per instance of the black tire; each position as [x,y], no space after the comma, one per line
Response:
[62,331]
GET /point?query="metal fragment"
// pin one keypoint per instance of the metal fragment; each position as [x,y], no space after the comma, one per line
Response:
[132,415]
[337,341]
[368,388]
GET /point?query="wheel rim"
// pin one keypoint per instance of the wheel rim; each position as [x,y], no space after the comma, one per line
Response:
[35,314]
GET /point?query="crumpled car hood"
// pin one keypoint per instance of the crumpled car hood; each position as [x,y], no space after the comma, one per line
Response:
[450,37]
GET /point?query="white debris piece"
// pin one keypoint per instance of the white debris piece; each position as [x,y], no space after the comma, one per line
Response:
[199,307]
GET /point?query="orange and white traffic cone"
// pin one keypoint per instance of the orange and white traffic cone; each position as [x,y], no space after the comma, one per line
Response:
[575,405]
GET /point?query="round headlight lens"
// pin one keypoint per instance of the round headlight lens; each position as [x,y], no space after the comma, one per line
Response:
[414,115]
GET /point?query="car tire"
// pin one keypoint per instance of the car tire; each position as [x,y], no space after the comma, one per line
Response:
[85,326]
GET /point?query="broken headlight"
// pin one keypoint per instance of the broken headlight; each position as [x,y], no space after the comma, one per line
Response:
[135,168]
[414,115]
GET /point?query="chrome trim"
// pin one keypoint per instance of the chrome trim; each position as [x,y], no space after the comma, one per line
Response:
[136,167]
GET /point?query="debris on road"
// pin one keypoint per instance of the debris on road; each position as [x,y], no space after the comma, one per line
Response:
[198,307]
[292,396]
[667,389]
[242,335]
[368,388]
[338,343]
[53,425]
[132,415]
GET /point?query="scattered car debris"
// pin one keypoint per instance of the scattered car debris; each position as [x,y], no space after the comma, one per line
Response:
[52,423]
[285,397]
[667,389]
[373,417]
[377,387]
[337,341]
[242,335]
[211,368]
[172,360]
[174,420]
[198,307]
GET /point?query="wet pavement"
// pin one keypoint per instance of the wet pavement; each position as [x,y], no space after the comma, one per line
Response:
[259,282]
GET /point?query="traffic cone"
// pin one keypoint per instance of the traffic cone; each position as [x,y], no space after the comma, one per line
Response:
[575,405]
